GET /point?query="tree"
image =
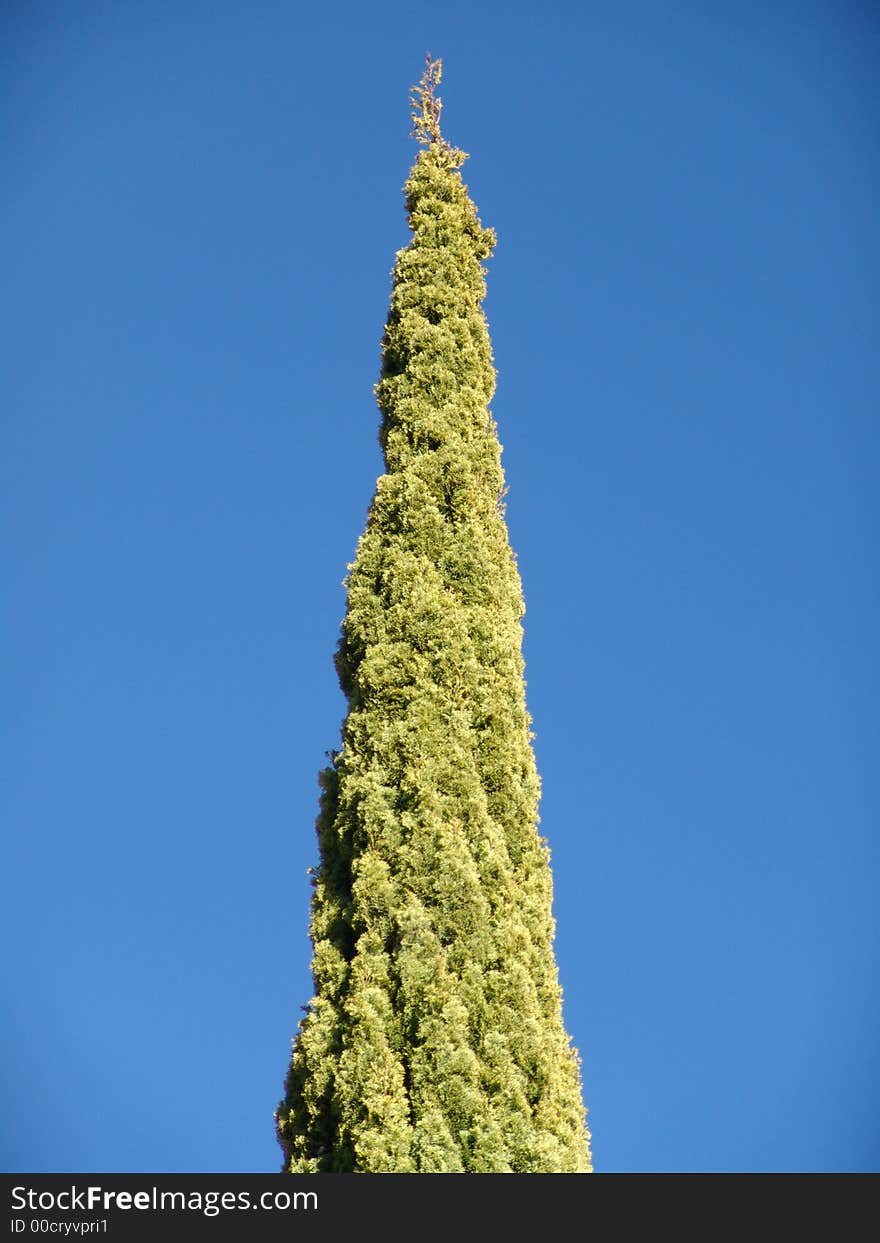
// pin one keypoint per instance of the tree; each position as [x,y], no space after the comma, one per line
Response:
[434,1042]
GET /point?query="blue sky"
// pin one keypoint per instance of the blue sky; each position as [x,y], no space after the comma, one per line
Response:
[201,208]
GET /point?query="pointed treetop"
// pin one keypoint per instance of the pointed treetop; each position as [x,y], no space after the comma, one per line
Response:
[426,103]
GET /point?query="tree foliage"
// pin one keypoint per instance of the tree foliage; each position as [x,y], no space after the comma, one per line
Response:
[434,1041]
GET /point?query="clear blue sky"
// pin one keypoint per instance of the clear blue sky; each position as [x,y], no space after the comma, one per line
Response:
[201,206]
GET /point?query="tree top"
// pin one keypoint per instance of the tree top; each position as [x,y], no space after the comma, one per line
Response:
[427,104]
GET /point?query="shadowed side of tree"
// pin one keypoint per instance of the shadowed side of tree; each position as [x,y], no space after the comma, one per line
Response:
[434,1041]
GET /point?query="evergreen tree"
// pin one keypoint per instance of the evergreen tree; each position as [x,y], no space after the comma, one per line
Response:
[434,1042]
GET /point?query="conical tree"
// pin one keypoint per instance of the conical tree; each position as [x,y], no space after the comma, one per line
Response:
[434,1042]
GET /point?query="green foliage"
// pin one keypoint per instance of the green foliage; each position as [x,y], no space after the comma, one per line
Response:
[434,1042]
